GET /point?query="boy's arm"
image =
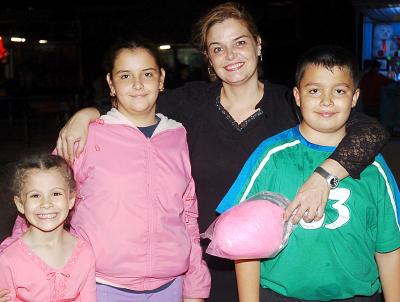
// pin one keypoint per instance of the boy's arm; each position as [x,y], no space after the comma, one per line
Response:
[246,183]
[389,271]
[248,280]
[387,244]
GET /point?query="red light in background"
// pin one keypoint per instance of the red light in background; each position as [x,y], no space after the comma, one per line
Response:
[3,51]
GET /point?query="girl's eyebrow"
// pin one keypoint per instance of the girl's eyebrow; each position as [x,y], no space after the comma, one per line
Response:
[36,190]
[145,69]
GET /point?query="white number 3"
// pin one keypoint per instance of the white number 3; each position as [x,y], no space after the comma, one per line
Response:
[341,195]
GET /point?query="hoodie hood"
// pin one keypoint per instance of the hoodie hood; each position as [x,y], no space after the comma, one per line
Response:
[115,117]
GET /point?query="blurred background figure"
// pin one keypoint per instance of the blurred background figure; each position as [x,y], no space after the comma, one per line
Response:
[371,83]
[390,107]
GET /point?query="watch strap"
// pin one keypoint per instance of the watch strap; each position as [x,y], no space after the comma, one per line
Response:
[332,181]
[322,172]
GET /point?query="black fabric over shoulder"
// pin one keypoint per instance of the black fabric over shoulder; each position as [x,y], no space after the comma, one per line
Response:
[364,139]
[185,103]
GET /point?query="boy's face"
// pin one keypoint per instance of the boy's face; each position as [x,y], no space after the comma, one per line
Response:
[325,97]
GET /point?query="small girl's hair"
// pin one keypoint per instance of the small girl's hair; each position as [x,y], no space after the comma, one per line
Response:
[41,162]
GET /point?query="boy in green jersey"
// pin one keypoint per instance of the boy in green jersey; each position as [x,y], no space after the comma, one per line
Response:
[352,253]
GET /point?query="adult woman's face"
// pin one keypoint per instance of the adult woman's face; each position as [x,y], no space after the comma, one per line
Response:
[233,52]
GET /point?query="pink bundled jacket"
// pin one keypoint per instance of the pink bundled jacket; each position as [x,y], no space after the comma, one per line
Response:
[137,206]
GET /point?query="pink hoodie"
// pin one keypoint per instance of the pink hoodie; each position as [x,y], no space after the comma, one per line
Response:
[137,206]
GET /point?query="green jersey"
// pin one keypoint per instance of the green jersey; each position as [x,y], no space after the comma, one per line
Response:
[332,258]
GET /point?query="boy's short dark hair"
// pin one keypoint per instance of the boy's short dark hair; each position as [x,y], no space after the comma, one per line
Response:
[327,56]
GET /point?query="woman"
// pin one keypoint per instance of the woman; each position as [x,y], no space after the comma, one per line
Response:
[227,118]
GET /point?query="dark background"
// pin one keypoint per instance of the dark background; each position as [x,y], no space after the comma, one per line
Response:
[287,27]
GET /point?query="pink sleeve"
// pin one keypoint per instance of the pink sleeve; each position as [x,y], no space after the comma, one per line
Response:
[88,292]
[20,227]
[197,280]
[6,279]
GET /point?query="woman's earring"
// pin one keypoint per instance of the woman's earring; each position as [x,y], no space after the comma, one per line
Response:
[112,93]
[162,89]
[260,57]
[211,72]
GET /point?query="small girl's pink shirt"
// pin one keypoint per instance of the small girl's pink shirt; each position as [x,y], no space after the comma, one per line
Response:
[30,279]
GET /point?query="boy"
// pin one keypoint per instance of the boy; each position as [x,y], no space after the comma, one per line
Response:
[333,258]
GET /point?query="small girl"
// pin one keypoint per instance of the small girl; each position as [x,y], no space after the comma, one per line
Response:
[46,263]
[137,204]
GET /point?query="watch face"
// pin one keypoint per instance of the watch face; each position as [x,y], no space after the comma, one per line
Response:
[333,182]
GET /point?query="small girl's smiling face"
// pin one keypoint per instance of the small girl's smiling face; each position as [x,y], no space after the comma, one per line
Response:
[45,199]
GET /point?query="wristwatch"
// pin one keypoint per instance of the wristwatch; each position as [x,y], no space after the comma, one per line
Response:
[332,180]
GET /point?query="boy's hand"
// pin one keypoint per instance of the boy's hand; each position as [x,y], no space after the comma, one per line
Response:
[4,297]
[310,201]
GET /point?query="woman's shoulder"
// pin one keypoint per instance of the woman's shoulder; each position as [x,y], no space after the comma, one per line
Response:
[192,91]
[204,86]
[184,102]
[276,88]
[279,98]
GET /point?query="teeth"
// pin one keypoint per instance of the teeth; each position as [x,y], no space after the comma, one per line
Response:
[47,216]
[234,66]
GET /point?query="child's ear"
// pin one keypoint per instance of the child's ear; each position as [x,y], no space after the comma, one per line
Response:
[356,95]
[71,201]
[259,43]
[296,94]
[162,79]
[19,204]
[110,84]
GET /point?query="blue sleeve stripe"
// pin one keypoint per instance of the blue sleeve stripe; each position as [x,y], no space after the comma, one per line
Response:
[253,167]
[263,163]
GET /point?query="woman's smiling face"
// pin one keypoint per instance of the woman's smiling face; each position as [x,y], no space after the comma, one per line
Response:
[233,52]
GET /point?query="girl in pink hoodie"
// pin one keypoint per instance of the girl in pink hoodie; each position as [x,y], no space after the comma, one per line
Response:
[137,204]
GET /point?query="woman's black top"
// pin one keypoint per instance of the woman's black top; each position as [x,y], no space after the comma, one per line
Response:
[219,146]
